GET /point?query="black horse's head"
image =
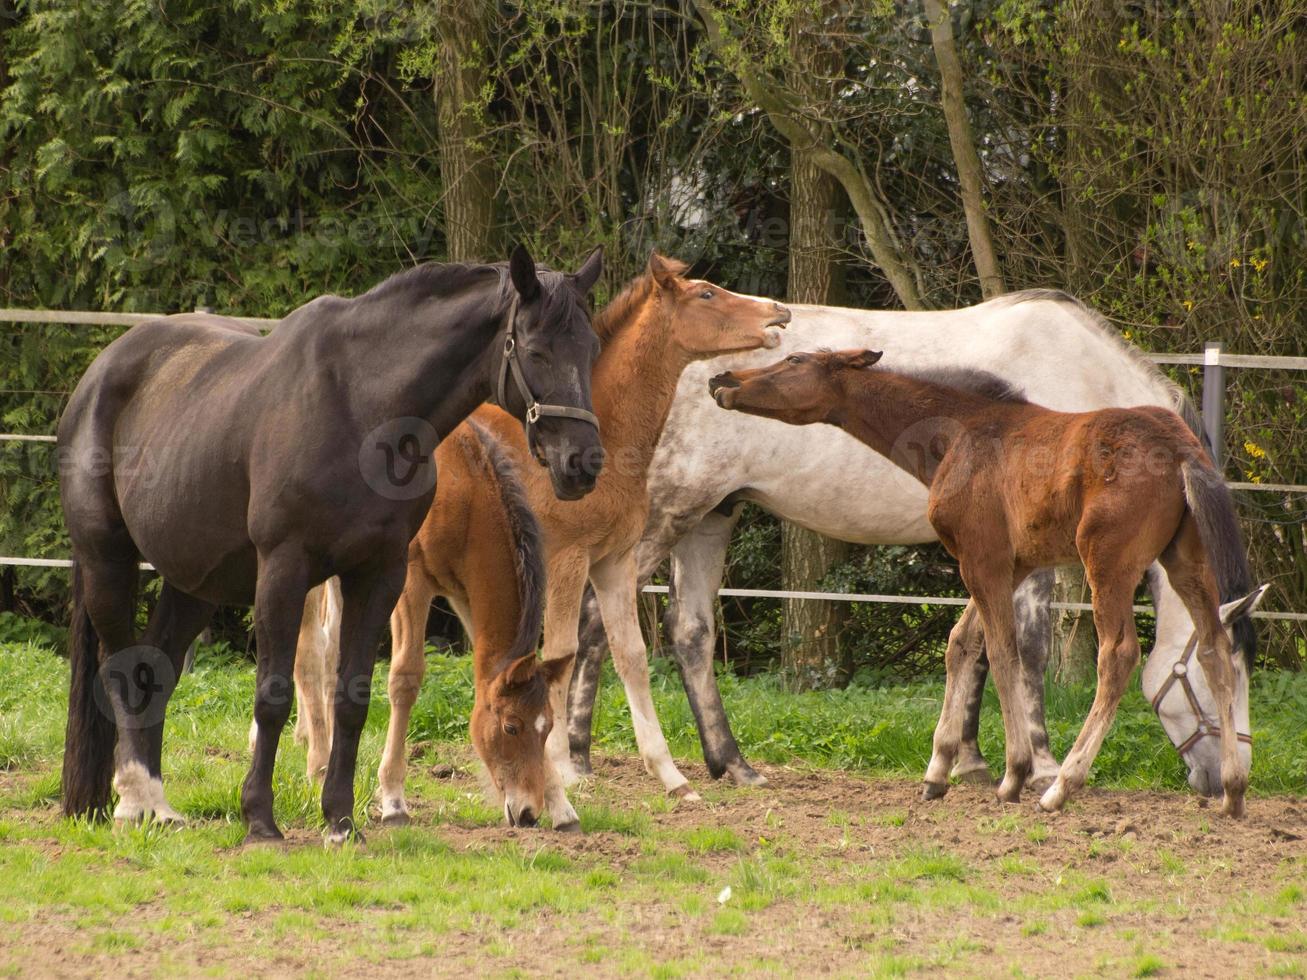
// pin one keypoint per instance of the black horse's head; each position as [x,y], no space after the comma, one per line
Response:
[544,379]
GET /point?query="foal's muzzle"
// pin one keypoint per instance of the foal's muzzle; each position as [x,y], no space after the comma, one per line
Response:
[721,388]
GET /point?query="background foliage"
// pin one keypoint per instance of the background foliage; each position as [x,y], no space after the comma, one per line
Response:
[249,155]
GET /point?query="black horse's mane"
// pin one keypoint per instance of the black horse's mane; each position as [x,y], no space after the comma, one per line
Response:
[450,278]
[439,278]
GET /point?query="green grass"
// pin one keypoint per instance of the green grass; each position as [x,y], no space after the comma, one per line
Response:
[124,891]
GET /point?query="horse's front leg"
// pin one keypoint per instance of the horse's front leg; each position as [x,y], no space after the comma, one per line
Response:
[698,560]
[566,578]
[283,584]
[964,672]
[615,586]
[367,597]
[991,580]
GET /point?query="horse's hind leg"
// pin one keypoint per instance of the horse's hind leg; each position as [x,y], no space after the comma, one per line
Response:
[97,729]
[1034,634]
[591,647]
[698,560]
[1112,578]
[1186,563]
[156,665]
[407,667]
[962,660]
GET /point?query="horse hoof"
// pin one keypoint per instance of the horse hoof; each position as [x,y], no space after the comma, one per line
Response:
[976,777]
[1008,793]
[933,791]
[339,838]
[570,827]
[743,774]
[1040,784]
[684,792]
[1053,799]
[396,818]
[262,835]
[1233,807]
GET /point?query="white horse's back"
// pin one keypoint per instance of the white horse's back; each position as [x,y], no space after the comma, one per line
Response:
[1052,348]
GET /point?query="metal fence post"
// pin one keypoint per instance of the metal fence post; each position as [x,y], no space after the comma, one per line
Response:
[1214,401]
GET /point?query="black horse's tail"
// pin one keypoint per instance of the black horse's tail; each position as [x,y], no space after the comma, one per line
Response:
[91,733]
[1212,506]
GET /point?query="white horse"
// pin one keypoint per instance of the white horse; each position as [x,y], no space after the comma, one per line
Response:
[708,462]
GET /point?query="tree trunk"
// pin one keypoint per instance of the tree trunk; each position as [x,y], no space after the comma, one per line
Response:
[966,159]
[1074,655]
[466,168]
[872,212]
[810,651]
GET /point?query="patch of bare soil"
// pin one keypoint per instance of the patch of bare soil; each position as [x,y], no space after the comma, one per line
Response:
[1142,874]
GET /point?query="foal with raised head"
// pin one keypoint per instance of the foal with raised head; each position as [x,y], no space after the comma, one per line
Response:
[1014,488]
[658,325]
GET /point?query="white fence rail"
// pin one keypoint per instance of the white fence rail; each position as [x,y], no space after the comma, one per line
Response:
[1213,360]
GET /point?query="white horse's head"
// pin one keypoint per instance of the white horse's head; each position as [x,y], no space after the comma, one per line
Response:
[1177,687]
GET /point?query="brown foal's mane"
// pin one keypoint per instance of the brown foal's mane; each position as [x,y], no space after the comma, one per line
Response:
[621,312]
[528,549]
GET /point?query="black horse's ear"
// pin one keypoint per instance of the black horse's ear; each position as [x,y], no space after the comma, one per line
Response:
[865,359]
[591,269]
[522,268]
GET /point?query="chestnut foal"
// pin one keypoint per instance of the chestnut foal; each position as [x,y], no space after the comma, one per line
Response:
[481,548]
[657,326]
[1015,488]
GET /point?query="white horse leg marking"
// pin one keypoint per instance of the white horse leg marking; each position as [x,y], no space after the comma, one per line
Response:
[140,796]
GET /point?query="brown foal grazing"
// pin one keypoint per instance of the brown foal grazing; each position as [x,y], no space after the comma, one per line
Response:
[1014,488]
[478,539]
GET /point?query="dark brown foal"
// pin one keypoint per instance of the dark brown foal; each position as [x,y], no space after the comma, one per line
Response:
[1014,488]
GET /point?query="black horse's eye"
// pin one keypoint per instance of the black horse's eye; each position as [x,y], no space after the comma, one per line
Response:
[706,294]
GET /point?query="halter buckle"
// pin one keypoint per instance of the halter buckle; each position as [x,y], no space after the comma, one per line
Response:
[1180,668]
[533,414]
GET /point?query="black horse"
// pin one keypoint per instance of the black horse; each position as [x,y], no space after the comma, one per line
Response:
[248,468]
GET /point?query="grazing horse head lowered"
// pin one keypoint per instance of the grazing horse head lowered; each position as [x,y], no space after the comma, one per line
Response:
[275,462]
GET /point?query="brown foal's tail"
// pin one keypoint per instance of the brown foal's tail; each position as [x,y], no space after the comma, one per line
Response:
[1212,506]
[91,734]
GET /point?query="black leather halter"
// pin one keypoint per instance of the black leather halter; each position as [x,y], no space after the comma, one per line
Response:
[1180,674]
[509,364]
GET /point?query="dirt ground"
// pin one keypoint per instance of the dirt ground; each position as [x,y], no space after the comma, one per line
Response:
[859,877]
